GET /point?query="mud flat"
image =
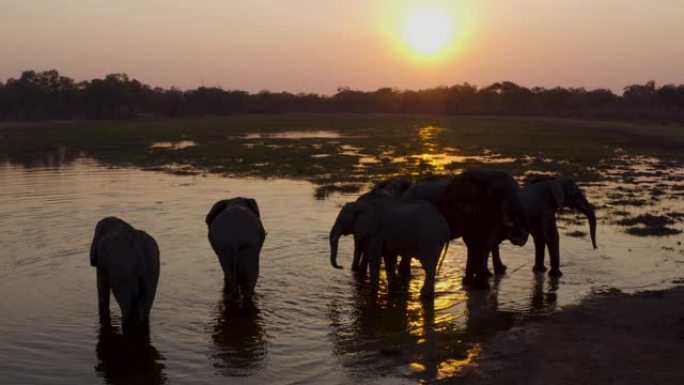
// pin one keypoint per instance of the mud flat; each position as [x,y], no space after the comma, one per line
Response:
[609,338]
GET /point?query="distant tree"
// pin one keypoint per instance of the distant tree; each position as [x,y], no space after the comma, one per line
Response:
[640,95]
[48,95]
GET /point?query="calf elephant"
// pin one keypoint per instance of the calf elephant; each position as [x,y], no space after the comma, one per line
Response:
[395,227]
[387,189]
[127,262]
[482,207]
[236,234]
[542,199]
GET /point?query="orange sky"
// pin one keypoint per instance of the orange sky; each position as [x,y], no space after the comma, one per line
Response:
[317,46]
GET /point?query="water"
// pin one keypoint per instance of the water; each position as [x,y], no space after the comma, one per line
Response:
[309,323]
[310,134]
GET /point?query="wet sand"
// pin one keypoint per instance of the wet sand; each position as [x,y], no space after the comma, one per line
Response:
[609,338]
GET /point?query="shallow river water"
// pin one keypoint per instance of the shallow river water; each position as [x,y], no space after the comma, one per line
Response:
[309,323]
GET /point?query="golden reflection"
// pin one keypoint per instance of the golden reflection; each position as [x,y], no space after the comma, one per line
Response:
[451,367]
[417,367]
[434,159]
[430,161]
[433,340]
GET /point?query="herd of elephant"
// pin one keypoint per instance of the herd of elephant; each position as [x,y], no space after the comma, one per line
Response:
[395,218]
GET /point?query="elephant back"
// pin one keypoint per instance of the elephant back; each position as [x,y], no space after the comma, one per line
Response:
[236,224]
[431,189]
[148,252]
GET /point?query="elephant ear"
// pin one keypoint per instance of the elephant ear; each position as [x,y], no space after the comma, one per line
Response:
[93,246]
[215,210]
[104,227]
[557,192]
[252,204]
[365,221]
[464,194]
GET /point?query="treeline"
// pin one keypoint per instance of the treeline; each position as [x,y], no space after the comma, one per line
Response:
[49,95]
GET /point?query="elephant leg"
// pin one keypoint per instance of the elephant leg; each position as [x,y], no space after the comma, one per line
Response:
[249,272]
[475,270]
[228,258]
[539,245]
[103,294]
[499,267]
[230,278]
[142,321]
[130,307]
[469,269]
[487,272]
[373,255]
[358,250]
[554,252]
[233,289]
[481,268]
[405,267]
[429,263]
[150,292]
[363,263]
[390,259]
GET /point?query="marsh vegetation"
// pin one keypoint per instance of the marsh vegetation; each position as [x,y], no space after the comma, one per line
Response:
[633,165]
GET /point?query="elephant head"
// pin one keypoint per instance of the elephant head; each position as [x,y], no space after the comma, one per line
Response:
[358,218]
[566,193]
[104,229]
[395,186]
[489,198]
[221,205]
[386,189]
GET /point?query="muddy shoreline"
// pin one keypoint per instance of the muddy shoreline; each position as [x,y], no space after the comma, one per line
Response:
[609,338]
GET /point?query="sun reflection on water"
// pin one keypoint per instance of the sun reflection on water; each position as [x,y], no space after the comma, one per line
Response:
[451,367]
[434,158]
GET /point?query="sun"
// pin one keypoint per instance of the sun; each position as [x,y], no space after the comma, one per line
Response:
[428,31]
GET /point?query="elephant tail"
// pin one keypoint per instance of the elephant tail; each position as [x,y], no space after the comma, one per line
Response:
[441,258]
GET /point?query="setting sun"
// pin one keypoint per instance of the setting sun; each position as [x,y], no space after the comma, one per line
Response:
[428,31]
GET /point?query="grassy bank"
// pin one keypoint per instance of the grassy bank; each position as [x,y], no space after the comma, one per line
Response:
[364,148]
[629,166]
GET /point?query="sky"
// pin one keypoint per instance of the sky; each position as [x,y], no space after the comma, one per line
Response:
[321,45]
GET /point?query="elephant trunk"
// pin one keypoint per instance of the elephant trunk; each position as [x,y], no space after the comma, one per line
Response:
[591,216]
[335,235]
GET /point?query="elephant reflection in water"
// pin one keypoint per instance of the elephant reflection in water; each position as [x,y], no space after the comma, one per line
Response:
[126,359]
[239,337]
[540,301]
[484,318]
[380,335]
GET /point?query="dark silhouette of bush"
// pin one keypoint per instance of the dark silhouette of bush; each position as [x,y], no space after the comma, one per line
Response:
[48,95]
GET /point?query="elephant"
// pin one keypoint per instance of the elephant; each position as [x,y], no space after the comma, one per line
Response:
[394,227]
[236,235]
[542,199]
[127,262]
[386,189]
[480,206]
